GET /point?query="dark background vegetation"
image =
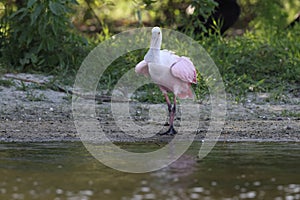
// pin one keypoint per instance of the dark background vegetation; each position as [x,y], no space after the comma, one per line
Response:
[259,53]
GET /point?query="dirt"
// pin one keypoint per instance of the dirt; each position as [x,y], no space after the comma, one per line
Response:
[29,113]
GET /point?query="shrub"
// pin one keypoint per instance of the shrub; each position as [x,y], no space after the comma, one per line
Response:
[255,63]
[38,36]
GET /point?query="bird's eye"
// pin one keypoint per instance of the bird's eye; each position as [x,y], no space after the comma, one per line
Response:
[158,33]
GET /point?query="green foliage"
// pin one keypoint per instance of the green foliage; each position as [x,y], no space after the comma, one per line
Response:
[267,16]
[252,63]
[173,13]
[39,37]
[202,10]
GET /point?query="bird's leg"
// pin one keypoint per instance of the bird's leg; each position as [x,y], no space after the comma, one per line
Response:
[172,112]
[169,107]
[171,130]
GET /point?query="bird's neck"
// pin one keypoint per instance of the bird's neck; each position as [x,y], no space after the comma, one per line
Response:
[152,55]
[155,45]
[155,42]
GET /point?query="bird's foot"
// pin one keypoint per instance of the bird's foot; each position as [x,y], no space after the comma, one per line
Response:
[166,124]
[170,131]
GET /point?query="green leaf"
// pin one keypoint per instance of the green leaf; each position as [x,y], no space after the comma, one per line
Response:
[33,58]
[110,3]
[35,14]
[29,39]
[42,45]
[54,29]
[41,61]
[50,44]
[56,8]
[42,25]
[30,3]
[74,2]
[149,2]
[21,10]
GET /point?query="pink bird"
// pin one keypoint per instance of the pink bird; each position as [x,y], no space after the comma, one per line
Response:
[170,72]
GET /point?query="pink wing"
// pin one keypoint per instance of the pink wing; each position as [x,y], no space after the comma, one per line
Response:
[184,69]
[142,68]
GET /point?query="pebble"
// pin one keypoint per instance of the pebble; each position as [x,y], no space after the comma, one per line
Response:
[198,189]
[288,128]
[194,196]
[59,191]
[145,189]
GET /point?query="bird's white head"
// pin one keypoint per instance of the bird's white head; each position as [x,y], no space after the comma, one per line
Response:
[156,38]
[156,30]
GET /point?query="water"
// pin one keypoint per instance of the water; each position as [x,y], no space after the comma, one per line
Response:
[65,170]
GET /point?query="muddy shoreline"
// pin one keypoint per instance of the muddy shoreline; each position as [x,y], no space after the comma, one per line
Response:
[31,114]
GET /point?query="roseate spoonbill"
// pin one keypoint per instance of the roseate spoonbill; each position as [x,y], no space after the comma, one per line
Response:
[170,72]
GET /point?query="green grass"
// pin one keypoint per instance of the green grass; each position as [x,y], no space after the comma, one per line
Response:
[286,113]
[252,63]
[6,83]
[32,96]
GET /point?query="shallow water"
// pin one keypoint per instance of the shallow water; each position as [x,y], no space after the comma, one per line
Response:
[66,170]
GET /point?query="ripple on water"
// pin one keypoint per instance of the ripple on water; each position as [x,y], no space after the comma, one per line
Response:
[247,172]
